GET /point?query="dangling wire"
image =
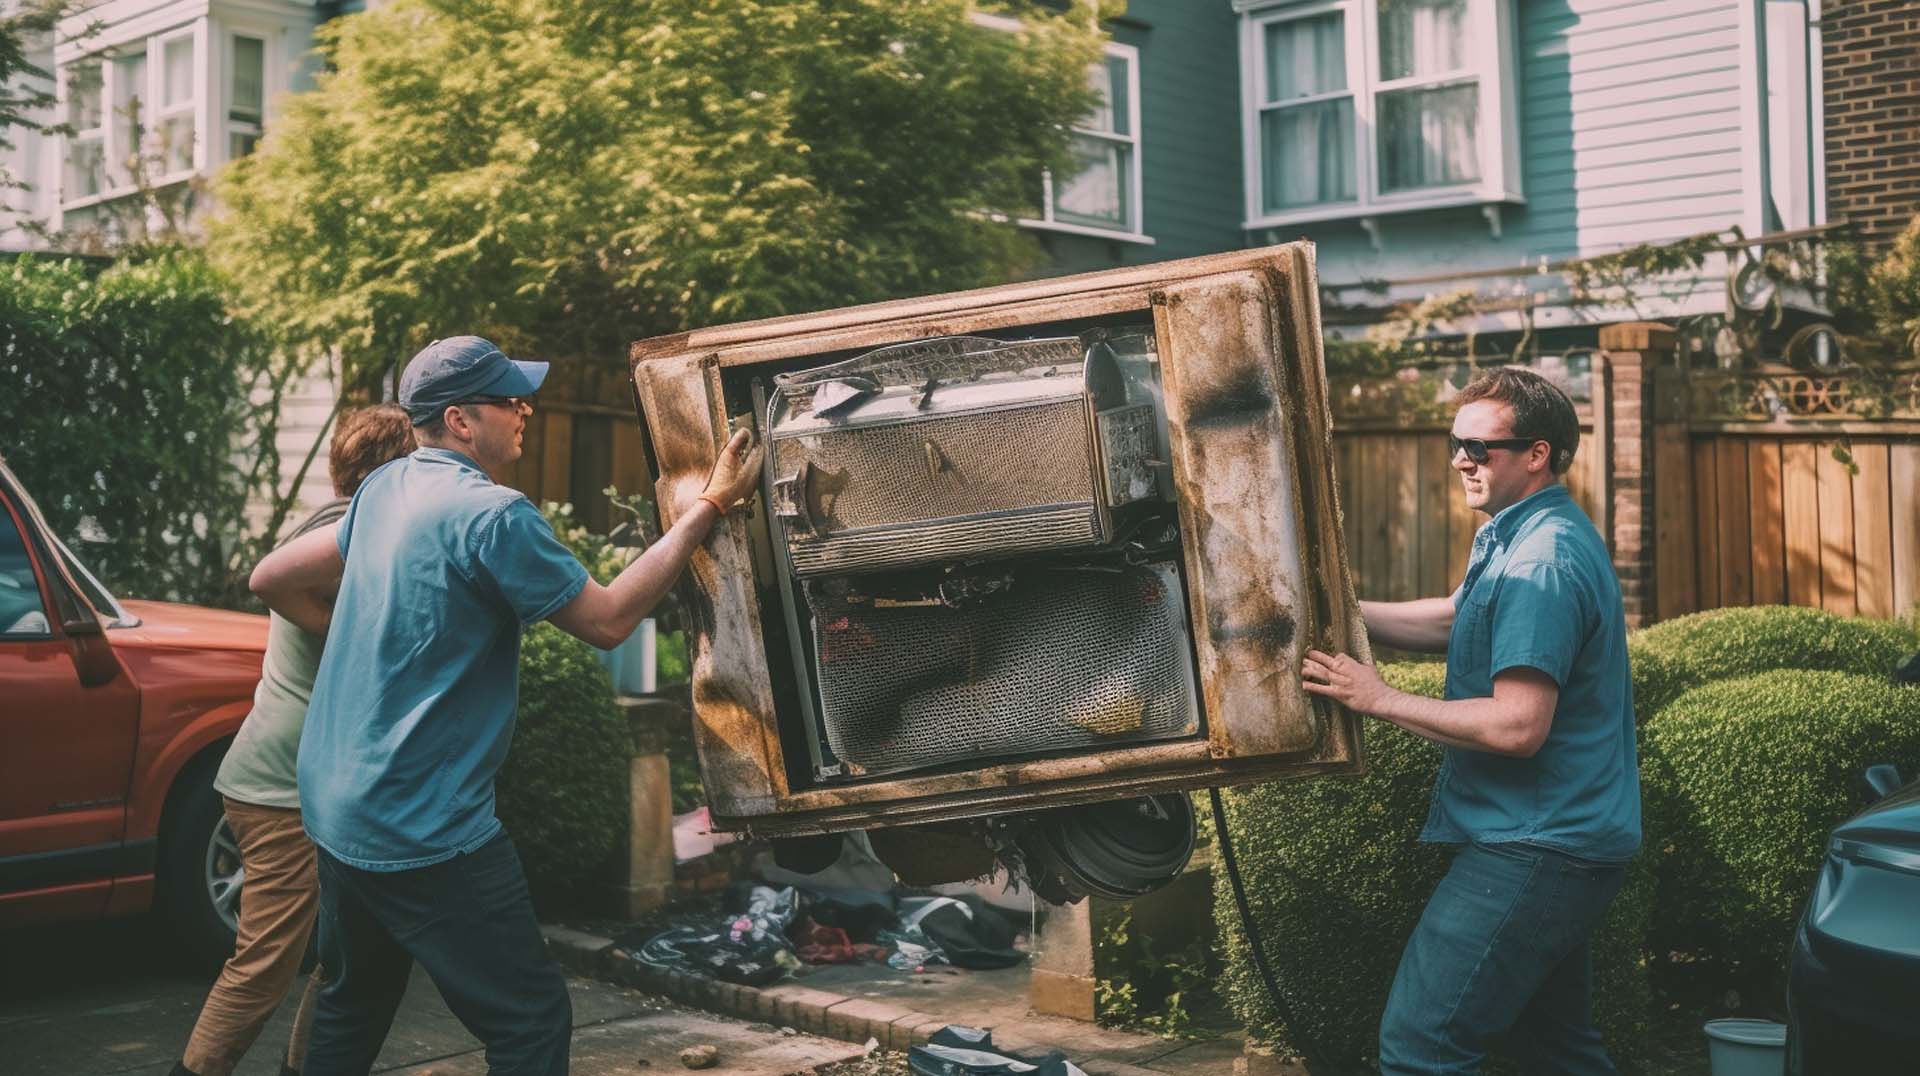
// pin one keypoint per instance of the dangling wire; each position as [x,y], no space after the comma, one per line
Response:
[1318,1063]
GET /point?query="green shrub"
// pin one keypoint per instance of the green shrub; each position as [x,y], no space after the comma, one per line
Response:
[1337,880]
[129,418]
[1750,774]
[1673,656]
[563,789]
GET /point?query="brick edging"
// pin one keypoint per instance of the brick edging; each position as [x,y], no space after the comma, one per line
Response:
[802,1008]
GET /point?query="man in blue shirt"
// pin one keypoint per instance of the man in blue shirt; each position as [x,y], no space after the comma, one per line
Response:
[1539,786]
[439,567]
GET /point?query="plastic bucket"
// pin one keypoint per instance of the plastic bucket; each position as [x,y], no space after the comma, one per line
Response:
[1746,1048]
[631,665]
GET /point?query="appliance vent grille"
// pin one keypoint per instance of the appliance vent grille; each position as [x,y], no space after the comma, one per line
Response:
[1065,660]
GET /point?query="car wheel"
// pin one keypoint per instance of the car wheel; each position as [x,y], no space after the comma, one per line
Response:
[200,872]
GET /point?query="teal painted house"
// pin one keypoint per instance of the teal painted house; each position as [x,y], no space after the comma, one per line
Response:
[1427,145]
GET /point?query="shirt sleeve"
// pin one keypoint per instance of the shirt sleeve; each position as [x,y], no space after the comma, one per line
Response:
[1539,620]
[517,551]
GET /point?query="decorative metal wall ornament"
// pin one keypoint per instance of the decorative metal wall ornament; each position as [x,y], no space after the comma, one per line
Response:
[1774,394]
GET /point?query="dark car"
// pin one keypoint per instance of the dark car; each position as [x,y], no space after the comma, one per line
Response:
[1853,993]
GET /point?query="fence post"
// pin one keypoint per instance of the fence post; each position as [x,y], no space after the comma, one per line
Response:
[1631,351]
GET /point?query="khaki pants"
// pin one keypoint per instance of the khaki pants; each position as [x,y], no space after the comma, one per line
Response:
[277,909]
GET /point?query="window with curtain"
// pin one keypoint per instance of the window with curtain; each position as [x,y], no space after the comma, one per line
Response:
[246,98]
[1306,113]
[1098,193]
[1358,106]
[1428,103]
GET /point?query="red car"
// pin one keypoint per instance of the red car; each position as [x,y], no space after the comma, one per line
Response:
[113,718]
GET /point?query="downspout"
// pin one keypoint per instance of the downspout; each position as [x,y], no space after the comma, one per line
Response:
[1759,165]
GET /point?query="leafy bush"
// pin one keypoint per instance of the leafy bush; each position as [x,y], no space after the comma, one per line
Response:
[563,789]
[1673,656]
[1337,880]
[1752,773]
[131,418]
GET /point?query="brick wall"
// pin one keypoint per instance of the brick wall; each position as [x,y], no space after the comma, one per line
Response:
[1871,54]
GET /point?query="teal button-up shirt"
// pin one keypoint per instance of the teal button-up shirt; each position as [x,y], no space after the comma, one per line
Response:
[1540,592]
[413,705]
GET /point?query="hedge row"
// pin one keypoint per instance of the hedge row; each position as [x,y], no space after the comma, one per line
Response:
[1746,761]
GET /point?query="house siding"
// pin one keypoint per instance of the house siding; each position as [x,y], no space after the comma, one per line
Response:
[1189,138]
[1630,131]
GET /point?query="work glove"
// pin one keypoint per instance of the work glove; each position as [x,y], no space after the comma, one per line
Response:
[736,474]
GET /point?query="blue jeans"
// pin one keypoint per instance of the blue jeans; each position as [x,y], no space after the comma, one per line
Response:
[469,922]
[1502,948]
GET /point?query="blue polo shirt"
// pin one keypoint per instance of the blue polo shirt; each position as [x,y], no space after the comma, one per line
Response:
[1541,592]
[413,705]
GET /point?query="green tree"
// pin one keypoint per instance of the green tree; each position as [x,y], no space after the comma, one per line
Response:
[569,177]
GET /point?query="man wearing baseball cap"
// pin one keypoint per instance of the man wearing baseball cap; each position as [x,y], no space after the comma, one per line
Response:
[439,567]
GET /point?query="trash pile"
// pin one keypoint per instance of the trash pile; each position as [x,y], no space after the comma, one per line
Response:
[763,932]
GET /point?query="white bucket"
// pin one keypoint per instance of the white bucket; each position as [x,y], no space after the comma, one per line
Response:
[1746,1047]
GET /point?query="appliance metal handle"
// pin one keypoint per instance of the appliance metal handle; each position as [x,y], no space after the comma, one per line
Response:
[792,500]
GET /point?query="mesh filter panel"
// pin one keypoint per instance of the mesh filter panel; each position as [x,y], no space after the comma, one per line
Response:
[947,466]
[1066,660]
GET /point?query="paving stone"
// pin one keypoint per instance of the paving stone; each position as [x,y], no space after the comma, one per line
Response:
[860,1019]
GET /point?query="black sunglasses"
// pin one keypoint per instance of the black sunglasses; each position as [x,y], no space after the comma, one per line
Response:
[1478,448]
[507,401]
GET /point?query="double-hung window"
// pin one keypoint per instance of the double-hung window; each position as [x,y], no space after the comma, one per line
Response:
[87,120]
[174,118]
[130,114]
[1359,107]
[1101,192]
[246,95]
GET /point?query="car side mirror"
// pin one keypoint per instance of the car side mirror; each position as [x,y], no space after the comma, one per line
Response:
[1883,778]
[93,656]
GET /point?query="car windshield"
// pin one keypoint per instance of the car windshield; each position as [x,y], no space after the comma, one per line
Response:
[97,596]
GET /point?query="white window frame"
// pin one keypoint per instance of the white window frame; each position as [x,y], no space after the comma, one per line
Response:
[1491,56]
[190,108]
[1133,231]
[116,182]
[96,135]
[269,80]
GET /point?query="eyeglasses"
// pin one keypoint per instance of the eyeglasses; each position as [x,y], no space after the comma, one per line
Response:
[1478,448]
[513,402]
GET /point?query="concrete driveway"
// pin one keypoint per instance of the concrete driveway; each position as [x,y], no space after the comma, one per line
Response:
[111,998]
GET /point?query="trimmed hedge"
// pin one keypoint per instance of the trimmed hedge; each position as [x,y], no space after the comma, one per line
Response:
[1337,881]
[1671,657]
[1750,775]
[1755,727]
[563,789]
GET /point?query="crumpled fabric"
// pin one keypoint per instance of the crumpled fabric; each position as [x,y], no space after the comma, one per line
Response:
[747,944]
[957,1050]
[817,943]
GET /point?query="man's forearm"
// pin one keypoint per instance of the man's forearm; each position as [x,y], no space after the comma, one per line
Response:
[1482,724]
[642,584]
[1421,625]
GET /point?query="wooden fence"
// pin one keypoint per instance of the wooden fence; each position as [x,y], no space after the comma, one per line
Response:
[1744,499]
[1408,527]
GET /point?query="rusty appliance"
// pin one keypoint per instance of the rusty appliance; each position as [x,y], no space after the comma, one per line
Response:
[1030,561]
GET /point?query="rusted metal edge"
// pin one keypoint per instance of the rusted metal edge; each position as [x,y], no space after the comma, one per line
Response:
[977,803]
[1151,275]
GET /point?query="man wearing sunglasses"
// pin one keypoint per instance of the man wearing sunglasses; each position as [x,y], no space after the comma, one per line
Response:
[1539,788]
[439,567]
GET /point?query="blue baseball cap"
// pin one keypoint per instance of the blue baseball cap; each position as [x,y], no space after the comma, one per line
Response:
[461,368]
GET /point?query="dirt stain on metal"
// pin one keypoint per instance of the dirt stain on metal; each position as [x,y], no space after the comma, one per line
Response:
[1242,396]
